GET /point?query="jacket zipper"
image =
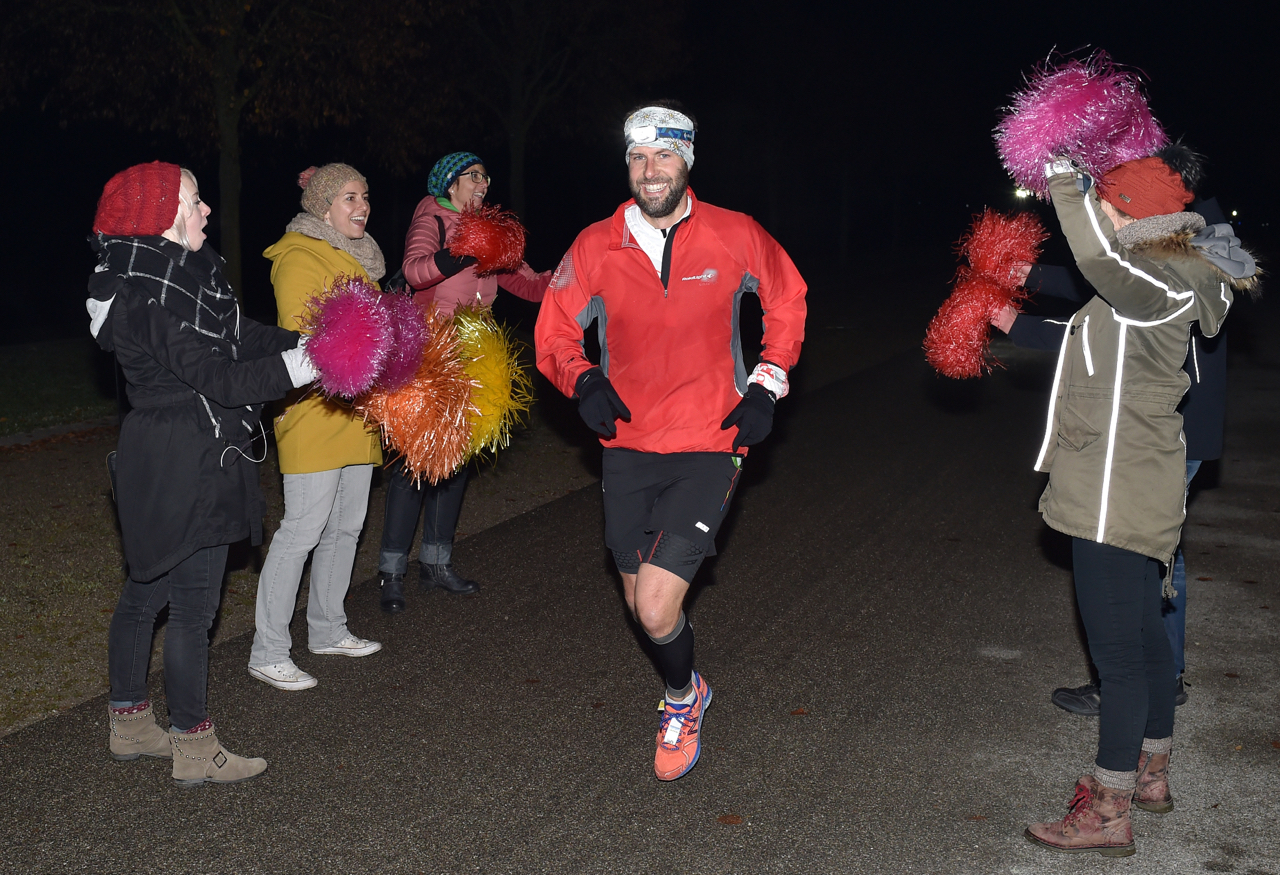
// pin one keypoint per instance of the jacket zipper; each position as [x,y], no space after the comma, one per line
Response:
[669,234]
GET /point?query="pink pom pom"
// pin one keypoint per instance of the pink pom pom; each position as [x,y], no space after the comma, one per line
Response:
[351,336]
[1086,110]
[410,333]
[958,339]
[494,236]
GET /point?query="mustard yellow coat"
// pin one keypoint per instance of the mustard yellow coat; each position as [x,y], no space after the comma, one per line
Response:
[313,433]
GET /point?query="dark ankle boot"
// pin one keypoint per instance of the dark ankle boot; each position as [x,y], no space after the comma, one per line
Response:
[391,592]
[446,578]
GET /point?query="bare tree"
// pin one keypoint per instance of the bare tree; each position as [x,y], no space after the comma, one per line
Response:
[567,57]
[211,70]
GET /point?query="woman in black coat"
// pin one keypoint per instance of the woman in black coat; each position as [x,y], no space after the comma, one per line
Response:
[186,481]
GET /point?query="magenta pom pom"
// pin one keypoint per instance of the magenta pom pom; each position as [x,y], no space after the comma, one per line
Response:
[410,334]
[1088,110]
[351,336]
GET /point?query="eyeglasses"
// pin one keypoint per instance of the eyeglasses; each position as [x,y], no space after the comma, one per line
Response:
[476,176]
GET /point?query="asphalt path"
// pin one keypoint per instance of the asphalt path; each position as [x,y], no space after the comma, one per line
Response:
[882,631]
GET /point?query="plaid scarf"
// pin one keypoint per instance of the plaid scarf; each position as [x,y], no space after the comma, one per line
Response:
[191,286]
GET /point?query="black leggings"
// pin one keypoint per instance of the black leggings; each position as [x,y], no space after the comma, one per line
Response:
[1118,592]
[405,504]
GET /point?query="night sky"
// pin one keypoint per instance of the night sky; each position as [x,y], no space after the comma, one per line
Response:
[861,139]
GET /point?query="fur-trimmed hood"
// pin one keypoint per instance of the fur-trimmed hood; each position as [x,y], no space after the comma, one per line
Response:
[1215,245]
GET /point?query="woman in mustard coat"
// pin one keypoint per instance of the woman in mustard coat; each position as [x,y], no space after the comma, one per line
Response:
[327,453]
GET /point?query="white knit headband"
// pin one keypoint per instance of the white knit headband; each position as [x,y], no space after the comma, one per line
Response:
[662,127]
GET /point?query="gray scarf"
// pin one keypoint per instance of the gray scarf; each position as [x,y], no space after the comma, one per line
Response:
[1156,227]
[364,250]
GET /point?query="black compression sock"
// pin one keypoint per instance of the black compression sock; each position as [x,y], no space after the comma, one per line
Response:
[674,655]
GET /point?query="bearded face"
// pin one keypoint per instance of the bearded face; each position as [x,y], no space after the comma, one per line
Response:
[658,179]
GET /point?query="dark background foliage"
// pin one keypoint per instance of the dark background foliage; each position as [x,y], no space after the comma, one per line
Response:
[859,136]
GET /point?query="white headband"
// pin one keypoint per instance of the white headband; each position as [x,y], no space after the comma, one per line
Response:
[660,126]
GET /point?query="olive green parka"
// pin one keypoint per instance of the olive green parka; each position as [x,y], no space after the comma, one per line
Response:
[1113,445]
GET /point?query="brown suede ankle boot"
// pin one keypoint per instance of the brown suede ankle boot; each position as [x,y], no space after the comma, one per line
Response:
[199,757]
[1098,820]
[137,735]
[1153,780]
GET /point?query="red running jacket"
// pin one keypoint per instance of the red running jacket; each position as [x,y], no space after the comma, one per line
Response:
[673,353]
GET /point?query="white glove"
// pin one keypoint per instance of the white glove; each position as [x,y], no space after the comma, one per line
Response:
[1061,165]
[301,370]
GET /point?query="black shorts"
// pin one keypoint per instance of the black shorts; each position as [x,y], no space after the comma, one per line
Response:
[682,496]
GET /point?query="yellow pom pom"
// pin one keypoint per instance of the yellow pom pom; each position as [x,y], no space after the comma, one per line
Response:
[501,392]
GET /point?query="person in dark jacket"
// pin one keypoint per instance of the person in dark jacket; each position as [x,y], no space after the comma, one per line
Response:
[186,484]
[1203,411]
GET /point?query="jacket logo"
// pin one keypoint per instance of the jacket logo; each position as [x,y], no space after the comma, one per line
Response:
[707,276]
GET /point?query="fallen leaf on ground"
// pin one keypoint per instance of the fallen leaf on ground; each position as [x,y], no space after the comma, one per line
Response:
[799,712]
[1232,674]
[1204,578]
[730,819]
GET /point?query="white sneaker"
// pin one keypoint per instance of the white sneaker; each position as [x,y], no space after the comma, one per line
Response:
[283,676]
[350,646]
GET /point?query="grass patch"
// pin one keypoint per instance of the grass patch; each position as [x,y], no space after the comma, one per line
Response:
[52,383]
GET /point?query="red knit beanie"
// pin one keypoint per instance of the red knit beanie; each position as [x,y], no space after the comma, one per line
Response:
[141,201]
[1143,188]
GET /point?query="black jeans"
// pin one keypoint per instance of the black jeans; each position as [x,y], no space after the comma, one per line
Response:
[438,505]
[1118,592]
[192,591]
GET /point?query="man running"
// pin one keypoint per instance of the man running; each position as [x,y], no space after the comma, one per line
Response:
[671,397]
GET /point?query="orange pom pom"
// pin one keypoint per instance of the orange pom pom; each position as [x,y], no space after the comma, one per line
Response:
[427,420]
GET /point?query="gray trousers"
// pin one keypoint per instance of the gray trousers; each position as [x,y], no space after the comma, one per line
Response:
[325,512]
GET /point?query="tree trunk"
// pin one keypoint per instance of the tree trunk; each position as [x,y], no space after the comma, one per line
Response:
[228,107]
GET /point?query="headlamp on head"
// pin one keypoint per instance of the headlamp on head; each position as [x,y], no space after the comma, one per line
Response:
[643,135]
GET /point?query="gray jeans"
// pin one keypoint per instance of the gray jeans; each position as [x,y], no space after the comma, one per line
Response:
[325,512]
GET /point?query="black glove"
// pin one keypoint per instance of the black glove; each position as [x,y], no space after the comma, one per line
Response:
[452,265]
[753,416]
[598,402]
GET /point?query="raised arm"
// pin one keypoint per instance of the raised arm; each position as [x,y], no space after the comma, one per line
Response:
[1137,289]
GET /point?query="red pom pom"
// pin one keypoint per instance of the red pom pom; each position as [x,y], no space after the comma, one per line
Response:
[995,243]
[958,338]
[351,336]
[494,236]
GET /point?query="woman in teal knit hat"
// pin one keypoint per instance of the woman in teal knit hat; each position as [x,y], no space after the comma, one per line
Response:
[457,182]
